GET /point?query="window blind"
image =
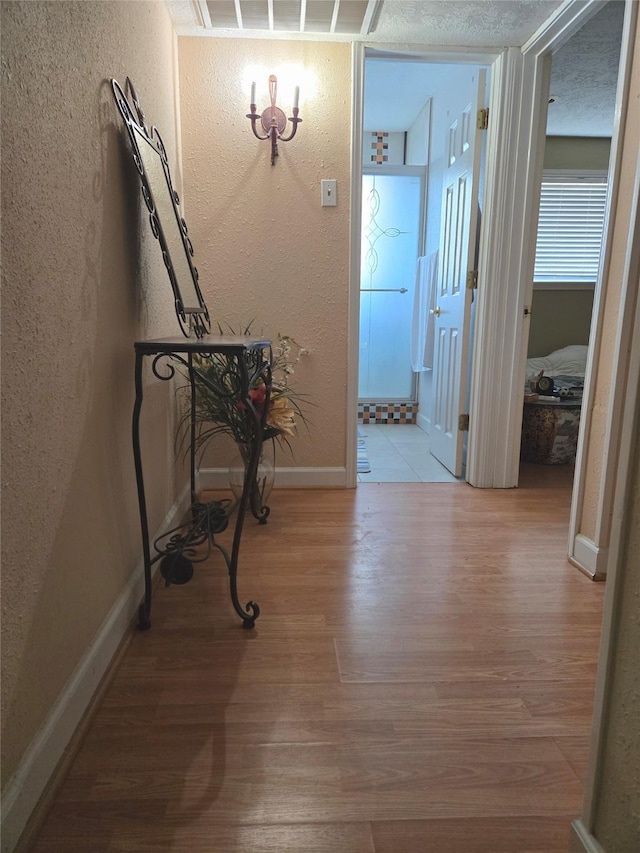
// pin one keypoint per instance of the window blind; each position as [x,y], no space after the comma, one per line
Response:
[570,226]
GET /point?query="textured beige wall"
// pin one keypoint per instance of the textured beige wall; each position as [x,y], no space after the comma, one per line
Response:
[82,279]
[597,431]
[617,822]
[264,247]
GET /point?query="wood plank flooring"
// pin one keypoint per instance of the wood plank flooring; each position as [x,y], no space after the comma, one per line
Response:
[420,679]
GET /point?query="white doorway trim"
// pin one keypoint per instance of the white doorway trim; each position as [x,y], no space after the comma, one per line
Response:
[357,97]
[597,549]
[500,306]
[498,346]
[489,58]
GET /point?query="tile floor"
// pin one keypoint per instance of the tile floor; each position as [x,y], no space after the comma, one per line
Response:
[400,454]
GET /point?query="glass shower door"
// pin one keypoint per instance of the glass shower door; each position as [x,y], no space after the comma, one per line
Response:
[392,208]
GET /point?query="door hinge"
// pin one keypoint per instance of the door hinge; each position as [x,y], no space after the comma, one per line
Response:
[472,280]
[527,311]
[482,119]
[463,423]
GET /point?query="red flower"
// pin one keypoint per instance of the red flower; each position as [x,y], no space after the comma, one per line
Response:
[257,396]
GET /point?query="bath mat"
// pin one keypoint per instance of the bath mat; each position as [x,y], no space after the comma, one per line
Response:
[363,460]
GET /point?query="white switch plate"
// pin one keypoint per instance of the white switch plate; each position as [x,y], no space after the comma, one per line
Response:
[329,191]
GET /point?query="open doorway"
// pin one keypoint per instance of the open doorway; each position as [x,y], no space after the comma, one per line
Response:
[580,121]
[414,132]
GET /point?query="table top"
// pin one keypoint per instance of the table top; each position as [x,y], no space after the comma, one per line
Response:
[231,344]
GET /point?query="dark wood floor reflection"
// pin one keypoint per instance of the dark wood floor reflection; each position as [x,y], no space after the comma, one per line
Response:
[421,679]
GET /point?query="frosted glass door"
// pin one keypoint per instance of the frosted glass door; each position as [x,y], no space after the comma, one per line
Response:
[391,227]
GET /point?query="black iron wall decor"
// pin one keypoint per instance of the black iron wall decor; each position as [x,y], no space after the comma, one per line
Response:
[167,223]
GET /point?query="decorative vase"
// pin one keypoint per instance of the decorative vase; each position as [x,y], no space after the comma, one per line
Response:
[265,476]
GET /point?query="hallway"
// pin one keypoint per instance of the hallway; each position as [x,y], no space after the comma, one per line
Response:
[420,678]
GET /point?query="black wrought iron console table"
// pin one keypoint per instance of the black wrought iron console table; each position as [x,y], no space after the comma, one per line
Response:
[249,361]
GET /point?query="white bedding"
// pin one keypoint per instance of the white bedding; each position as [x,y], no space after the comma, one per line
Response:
[568,361]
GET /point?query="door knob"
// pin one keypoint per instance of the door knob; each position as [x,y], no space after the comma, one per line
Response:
[435,311]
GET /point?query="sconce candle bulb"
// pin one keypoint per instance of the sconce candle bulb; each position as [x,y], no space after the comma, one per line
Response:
[273,119]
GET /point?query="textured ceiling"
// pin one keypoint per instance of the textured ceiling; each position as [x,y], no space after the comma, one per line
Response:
[584,74]
[583,82]
[584,70]
[470,23]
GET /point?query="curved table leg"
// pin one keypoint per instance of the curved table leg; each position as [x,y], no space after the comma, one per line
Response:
[144,611]
[248,499]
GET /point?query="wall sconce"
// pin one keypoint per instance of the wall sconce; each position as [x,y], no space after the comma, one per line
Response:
[273,120]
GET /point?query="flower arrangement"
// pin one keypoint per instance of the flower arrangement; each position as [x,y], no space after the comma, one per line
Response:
[219,408]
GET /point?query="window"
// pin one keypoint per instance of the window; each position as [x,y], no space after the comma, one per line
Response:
[570,227]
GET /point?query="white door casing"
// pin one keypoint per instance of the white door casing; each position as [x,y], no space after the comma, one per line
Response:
[458,232]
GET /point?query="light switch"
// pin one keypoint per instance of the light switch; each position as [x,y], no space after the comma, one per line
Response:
[329,192]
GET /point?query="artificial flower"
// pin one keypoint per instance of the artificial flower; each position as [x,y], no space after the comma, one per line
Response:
[281,417]
[220,401]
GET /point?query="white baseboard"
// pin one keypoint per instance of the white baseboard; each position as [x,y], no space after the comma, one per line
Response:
[423,422]
[286,478]
[589,557]
[40,760]
[582,841]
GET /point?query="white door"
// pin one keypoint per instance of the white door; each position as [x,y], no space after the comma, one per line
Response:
[458,226]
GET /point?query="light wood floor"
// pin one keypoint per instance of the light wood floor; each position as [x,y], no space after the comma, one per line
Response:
[420,679]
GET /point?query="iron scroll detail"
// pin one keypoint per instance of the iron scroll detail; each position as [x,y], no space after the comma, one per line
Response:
[167,223]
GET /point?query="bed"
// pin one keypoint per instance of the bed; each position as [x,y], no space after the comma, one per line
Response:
[550,427]
[568,363]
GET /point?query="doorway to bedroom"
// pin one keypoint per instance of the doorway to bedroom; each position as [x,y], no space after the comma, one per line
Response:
[570,237]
